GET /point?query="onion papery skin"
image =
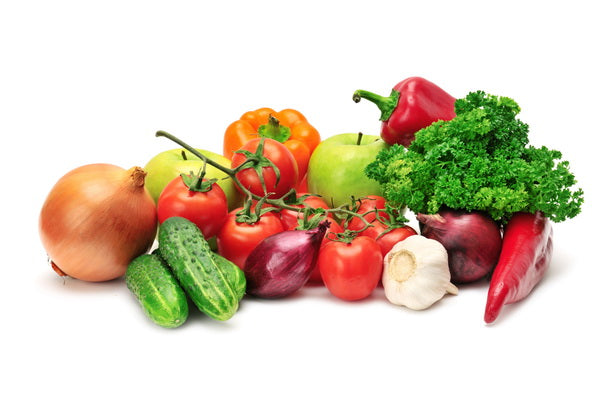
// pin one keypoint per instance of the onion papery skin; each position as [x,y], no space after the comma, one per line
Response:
[96,219]
[473,241]
[282,263]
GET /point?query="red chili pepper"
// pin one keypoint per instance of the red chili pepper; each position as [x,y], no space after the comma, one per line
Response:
[525,257]
[414,103]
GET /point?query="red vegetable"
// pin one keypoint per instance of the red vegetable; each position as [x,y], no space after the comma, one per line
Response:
[351,270]
[201,201]
[268,153]
[387,239]
[282,263]
[334,228]
[236,240]
[289,218]
[525,257]
[370,207]
[414,103]
[473,241]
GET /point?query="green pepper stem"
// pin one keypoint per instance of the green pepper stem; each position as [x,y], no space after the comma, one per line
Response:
[386,105]
[274,130]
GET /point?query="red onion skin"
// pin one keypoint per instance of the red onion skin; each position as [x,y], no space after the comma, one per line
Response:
[282,263]
[473,241]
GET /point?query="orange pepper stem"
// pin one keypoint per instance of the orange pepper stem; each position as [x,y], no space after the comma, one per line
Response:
[274,130]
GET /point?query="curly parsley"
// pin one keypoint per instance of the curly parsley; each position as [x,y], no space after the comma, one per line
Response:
[480,160]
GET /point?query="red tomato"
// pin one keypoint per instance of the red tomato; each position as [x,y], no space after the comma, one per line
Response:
[302,184]
[207,210]
[368,204]
[236,240]
[389,239]
[280,156]
[289,218]
[335,227]
[351,271]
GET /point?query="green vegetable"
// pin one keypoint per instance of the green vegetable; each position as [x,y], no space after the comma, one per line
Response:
[160,295]
[184,248]
[234,274]
[479,160]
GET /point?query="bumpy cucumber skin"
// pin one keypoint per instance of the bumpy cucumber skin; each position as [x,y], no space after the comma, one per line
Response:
[184,248]
[236,276]
[157,291]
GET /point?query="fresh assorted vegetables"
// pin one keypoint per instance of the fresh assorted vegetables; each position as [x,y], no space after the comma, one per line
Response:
[483,197]
[414,104]
[282,263]
[525,257]
[157,290]
[472,239]
[416,273]
[96,219]
[478,161]
[287,126]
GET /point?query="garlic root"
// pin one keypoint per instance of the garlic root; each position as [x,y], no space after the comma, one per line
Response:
[416,273]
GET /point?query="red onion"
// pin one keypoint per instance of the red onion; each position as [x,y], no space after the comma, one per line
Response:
[473,241]
[282,263]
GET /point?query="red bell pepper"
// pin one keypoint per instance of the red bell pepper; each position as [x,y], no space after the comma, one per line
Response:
[524,258]
[414,103]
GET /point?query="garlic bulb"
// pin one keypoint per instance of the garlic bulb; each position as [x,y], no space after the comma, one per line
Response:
[416,273]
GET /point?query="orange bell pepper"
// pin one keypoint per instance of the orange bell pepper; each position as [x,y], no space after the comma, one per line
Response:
[287,126]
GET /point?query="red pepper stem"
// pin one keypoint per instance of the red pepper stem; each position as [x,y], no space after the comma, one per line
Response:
[386,105]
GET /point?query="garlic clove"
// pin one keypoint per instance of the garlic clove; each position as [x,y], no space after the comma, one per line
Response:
[416,273]
[452,289]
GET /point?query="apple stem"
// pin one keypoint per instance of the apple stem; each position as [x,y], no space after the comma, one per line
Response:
[183,155]
[360,136]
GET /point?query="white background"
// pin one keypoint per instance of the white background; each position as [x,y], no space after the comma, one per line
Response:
[85,82]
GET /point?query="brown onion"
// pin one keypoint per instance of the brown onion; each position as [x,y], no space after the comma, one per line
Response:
[96,219]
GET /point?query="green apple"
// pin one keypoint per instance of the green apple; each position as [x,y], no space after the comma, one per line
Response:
[167,165]
[336,167]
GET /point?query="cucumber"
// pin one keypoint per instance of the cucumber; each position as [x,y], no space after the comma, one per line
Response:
[184,248]
[236,276]
[157,290]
